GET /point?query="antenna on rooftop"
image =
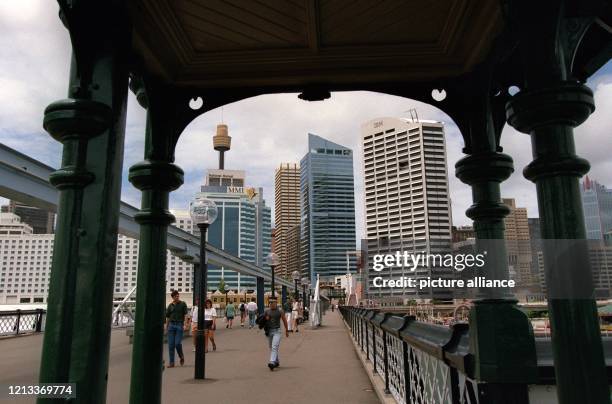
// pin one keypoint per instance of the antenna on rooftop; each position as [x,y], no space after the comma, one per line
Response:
[414,116]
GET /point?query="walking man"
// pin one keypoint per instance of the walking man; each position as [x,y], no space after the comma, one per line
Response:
[273,317]
[252,310]
[287,313]
[242,314]
[175,320]
[230,312]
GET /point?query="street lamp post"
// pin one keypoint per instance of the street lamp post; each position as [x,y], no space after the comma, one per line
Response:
[203,213]
[304,283]
[296,278]
[273,261]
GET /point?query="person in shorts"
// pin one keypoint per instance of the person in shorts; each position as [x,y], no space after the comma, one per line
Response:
[210,325]
[230,313]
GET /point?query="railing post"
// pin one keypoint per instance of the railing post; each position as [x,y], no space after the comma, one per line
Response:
[39,320]
[361,332]
[17,322]
[367,338]
[374,348]
[386,361]
[406,369]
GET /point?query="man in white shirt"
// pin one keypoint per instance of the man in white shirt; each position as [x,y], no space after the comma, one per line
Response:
[252,311]
[295,309]
[194,324]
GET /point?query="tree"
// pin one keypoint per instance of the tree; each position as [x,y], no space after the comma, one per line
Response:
[222,289]
[221,286]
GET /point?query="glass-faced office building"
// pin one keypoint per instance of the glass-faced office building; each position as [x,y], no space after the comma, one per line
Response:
[242,228]
[597,207]
[328,209]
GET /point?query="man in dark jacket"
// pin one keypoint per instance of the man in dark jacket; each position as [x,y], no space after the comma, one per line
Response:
[273,317]
[175,323]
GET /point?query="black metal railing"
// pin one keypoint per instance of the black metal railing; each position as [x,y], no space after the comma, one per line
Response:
[426,363]
[21,322]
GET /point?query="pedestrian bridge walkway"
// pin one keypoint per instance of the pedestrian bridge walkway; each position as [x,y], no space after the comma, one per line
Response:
[316,365]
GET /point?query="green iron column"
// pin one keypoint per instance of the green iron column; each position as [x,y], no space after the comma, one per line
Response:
[548,107]
[501,336]
[168,113]
[90,123]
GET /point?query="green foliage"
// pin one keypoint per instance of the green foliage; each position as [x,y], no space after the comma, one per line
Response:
[537,314]
[221,287]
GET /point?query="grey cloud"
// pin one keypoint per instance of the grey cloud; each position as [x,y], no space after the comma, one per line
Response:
[266,130]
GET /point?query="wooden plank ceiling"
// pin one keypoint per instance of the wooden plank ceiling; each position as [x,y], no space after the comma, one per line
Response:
[252,43]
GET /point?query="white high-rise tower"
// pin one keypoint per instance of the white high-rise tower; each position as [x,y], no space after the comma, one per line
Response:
[407,204]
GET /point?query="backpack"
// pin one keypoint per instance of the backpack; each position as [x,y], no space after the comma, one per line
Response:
[262,322]
[242,308]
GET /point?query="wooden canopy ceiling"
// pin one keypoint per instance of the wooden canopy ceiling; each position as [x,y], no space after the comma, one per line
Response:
[293,43]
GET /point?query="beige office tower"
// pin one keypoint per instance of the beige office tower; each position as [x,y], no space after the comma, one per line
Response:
[518,246]
[286,214]
[293,249]
[407,204]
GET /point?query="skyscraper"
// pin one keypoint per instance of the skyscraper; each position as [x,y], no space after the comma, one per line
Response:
[286,212]
[407,204]
[518,245]
[597,207]
[536,248]
[327,208]
[244,225]
[242,228]
[41,221]
[293,249]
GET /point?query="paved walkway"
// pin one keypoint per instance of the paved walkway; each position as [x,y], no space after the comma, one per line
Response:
[316,366]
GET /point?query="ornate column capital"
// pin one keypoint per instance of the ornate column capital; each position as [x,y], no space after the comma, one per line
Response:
[76,118]
[156,175]
[156,179]
[490,166]
[73,120]
[569,103]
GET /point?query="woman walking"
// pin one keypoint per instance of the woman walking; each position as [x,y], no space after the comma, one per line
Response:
[230,312]
[210,325]
[295,309]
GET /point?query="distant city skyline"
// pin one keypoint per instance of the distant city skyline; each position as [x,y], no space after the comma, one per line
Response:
[267,130]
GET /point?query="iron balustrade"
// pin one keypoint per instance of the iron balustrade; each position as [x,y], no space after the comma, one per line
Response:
[367,317]
[18,322]
[426,363]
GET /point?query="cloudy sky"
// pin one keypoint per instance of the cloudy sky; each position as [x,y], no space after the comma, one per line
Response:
[266,130]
